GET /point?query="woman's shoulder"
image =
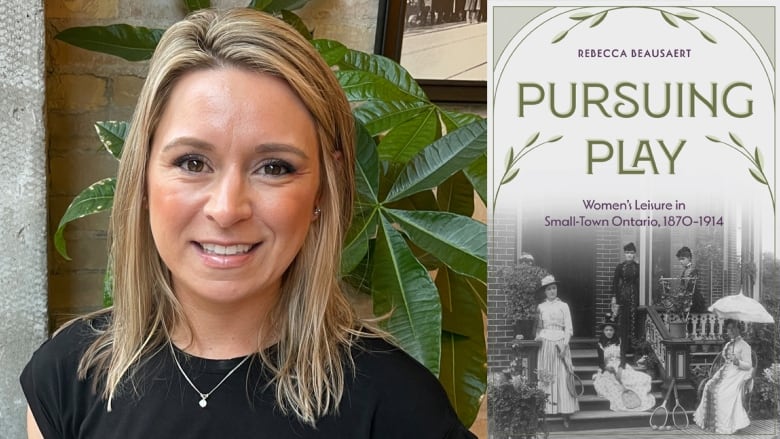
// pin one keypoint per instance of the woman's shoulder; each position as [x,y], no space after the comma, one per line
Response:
[65,348]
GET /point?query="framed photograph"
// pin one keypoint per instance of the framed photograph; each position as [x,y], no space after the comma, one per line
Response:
[442,43]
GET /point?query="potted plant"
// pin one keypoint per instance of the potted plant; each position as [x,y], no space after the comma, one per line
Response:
[521,284]
[516,405]
[676,301]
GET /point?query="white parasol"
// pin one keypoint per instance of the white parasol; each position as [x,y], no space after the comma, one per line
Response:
[740,307]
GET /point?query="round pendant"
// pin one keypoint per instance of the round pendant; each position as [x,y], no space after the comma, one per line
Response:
[202,403]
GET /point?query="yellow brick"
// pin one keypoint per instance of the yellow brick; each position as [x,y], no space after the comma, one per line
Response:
[76,93]
[125,90]
[82,8]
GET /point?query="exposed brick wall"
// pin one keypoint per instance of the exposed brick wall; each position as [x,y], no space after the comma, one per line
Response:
[502,252]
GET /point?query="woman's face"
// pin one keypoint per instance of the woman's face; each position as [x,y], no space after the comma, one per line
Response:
[732,330]
[629,256]
[232,183]
[684,261]
[551,291]
[609,331]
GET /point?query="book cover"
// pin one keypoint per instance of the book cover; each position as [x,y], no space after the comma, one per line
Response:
[620,125]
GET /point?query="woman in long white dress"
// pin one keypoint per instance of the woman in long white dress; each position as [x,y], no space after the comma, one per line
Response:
[625,388]
[721,409]
[554,331]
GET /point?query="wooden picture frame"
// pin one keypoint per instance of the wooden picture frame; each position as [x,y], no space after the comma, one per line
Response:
[389,40]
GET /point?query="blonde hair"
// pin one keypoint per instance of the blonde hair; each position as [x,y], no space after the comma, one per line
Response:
[313,320]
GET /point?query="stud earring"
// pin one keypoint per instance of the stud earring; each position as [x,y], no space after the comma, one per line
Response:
[317,211]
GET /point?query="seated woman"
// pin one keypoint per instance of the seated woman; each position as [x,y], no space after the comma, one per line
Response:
[625,388]
[721,409]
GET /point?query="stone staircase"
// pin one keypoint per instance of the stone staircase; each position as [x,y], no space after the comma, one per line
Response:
[594,410]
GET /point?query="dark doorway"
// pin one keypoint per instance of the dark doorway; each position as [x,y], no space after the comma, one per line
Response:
[569,254]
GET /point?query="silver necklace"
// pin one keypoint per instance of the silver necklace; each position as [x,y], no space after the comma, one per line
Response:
[204,396]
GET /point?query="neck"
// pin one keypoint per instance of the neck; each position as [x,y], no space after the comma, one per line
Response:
[223,331]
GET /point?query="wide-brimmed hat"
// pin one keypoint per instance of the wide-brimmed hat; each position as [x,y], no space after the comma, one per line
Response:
[547,281]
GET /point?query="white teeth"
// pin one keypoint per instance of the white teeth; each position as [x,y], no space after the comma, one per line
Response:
[226,250]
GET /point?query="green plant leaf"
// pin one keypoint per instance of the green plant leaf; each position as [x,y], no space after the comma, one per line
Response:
[195,5]
[453,120]
[456,195]
[757,176]
[707,36]
[463,355]
[295,21]
[133,43]
[362,228]
[403,287]
[279,5]
[598,19]
[332,51]
[380,116]
[476,172]
[669,19]
[441,159]
[108,283]
[384,68]
[259,5]
[456,240]
[96,198]
[478,291]
[407,139]
[364,86]
[424,200]
[366,167]
[112,135]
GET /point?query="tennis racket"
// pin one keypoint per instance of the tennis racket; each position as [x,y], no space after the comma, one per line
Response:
[662,412]
[573,382]
[678,412]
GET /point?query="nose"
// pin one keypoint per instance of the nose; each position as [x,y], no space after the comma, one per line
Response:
[229,200]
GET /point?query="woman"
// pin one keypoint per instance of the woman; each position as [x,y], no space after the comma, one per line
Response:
[625,292]
[720,409]
[688,278]
[233,195]
[625,388]
[554,331]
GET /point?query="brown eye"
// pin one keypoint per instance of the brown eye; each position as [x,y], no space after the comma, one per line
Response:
[194,165]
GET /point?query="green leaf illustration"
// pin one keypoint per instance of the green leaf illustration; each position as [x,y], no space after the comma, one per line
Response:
[555,139]
[669,18]
[687,16]
[736,140]
[599,18]
[758,176]
[759,158]
[531,140]
[713,139]
[560,36]
[708,37]
[581,16]
[511,176]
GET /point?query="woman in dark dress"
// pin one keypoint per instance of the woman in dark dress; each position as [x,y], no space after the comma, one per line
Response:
[688,279]
[625,291]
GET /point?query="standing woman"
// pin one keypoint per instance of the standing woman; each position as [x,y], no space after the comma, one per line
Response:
[688,279]
[720,409]
[625,292]
[233,195]
[554,331]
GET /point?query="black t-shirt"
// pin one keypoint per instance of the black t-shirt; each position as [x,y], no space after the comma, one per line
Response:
[390,396]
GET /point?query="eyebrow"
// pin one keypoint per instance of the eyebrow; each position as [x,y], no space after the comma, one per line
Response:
[261,148]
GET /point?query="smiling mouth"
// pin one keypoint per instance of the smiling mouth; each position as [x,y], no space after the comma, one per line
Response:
[226,250]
